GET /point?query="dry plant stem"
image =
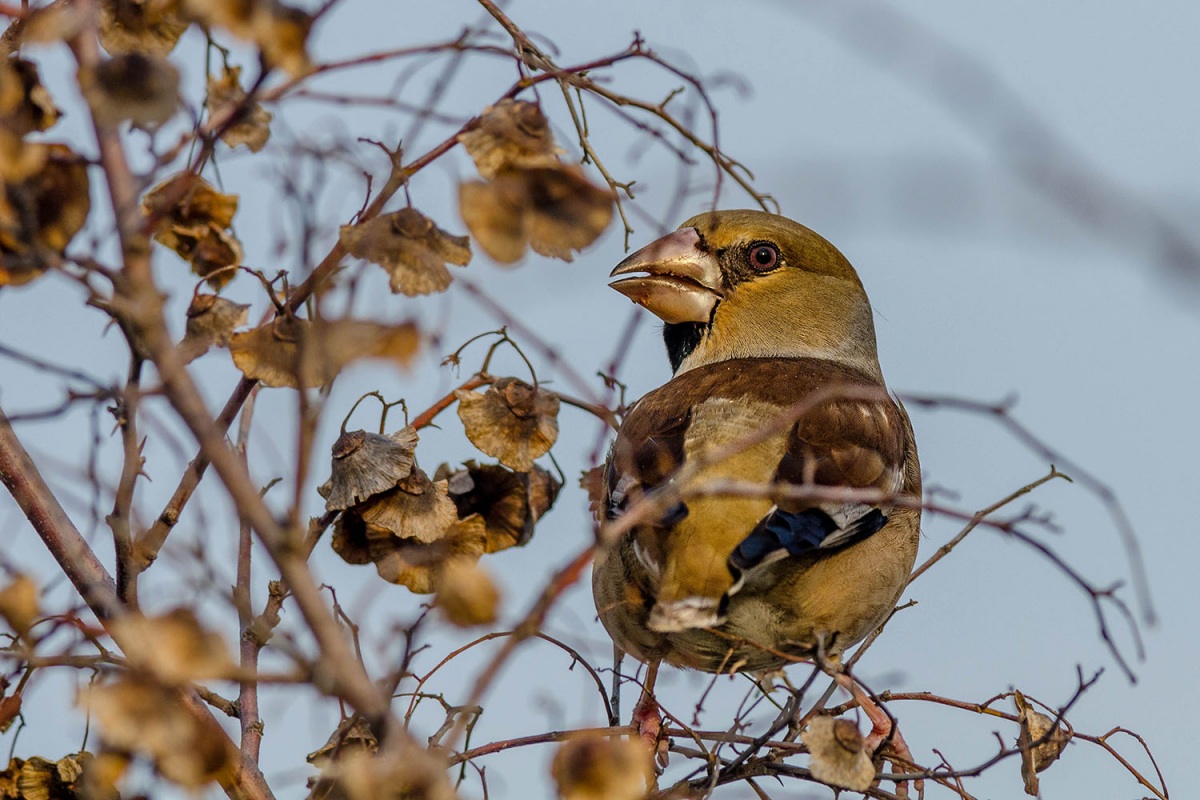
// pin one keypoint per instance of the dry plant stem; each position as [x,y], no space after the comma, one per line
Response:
[118,521]
[36,500]
[1159,791]
[1001,413]
[541,738]
[430,414]
[248,647]
[138,302]
[530,626]
[487,637]
[91,580]
[534,58]
[979,517]
[149,543]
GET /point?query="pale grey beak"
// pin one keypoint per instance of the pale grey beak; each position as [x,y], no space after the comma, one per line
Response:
[682,282]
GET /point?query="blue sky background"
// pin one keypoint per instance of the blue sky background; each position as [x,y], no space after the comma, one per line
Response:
[984,288]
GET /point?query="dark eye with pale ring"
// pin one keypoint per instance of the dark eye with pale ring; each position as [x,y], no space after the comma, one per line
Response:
[764,257]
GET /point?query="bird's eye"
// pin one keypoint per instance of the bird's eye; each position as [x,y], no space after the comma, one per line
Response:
[764,257]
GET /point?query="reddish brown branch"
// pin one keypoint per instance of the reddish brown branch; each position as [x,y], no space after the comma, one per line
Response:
[76,559]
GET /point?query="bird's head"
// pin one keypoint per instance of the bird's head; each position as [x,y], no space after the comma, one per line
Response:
[739,284]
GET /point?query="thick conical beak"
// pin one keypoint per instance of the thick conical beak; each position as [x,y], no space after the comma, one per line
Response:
[682,282]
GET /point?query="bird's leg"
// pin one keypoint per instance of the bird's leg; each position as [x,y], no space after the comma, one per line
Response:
[647,720]
[883,730]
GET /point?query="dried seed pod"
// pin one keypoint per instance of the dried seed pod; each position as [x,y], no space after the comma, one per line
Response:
[419,775]
[210,322]
[512,133]
[193,219]
[10,709]
[50,24]
[25,105]
[417,508]
[252,125]
[554,210]
[510,502]
[41,213]
[132,86]
[279,31]
[602,768]
[411,248]
[151,27]
[407,562]
[142,717]
[299,353]
[839,756]
[466,594]
[511,421]
[174,647]
[367,464]
[40,778]
[1036,726]
[19,603]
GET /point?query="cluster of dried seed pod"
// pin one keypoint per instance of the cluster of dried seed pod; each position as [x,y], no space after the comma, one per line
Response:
[428,533]
[44,188]
[528,197]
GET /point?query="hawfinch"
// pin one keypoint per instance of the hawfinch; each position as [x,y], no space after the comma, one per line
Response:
[743,555]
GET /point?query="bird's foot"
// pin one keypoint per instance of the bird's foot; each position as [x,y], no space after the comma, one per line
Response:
[886,734]
[647,721]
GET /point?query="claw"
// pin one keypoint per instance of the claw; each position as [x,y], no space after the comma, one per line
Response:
[647,720]
[884,734]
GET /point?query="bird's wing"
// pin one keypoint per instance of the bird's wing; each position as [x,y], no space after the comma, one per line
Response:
[847,432]
[854,440]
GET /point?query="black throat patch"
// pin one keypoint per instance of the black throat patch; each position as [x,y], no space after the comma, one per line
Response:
[681,339]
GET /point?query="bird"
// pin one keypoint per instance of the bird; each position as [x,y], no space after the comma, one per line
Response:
[763,505]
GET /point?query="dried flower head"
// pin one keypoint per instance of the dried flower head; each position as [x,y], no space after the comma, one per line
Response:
[466,594]
[174,647]
[411,248]
[40,778]
[510,502]
[554,210]
[279,31]
[144,718]
[512,133]
[511,421]
[839,756]
[406,561]
[19,604]
[602,768]
[193,219]
[1036,727]
[251,123]
[299,353]
[25,105]
[151,27]
[41,213]
[366,464]
[49,24]
[210,322]
[417,508]
[140,88]
[419,775]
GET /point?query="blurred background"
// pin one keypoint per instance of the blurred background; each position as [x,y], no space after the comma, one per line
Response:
[1017,186]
